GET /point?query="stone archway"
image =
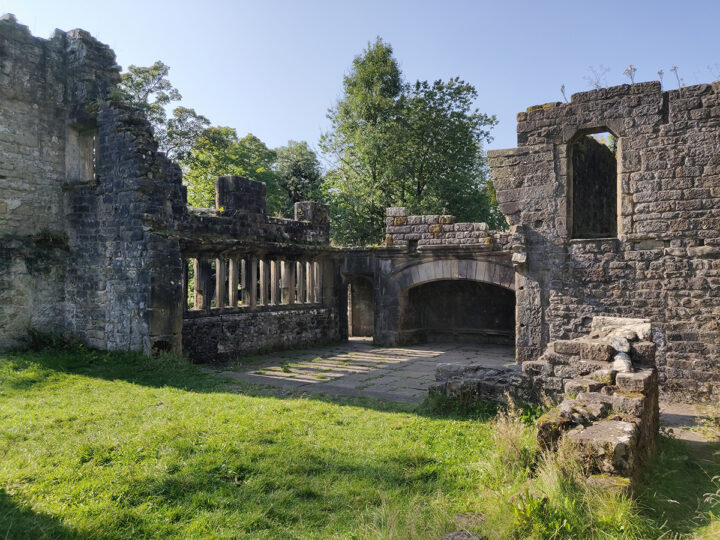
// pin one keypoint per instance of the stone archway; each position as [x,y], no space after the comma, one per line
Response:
[487,271]
[393,306]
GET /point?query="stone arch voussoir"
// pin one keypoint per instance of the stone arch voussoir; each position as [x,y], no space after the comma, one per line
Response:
[448,269]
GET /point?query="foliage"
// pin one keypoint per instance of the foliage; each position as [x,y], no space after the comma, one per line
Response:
[217,152]
[298,172]
[149,89]
[394,143]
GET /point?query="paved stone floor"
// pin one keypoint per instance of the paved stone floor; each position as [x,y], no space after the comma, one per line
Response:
[359,368]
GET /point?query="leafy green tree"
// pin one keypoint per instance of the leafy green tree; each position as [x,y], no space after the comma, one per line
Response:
[363,143]
[298,172]
[394,143]
[217,152]
[149,89]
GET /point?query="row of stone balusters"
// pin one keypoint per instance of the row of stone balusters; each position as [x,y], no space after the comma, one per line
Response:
[254,281]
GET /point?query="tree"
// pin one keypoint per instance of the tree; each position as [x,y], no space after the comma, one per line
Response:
[298,172]
[149,89]
[217,152]
[394,143]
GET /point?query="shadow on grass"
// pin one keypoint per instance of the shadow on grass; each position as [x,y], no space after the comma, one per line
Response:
[677,483]
[18,522]
[25,369]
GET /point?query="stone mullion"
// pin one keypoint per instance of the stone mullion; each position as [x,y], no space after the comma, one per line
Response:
[233,280]
[275,282]
[264,281]
[250,285]
[300,269]
[202,282]
[220,290]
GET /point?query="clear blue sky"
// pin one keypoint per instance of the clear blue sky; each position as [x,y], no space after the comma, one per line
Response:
[272,67]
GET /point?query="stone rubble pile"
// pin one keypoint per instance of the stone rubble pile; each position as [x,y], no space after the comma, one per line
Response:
[605,385]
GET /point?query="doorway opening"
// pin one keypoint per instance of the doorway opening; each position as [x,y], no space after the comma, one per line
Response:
[361,307]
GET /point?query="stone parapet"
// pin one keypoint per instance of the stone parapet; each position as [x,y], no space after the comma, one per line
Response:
[415,232]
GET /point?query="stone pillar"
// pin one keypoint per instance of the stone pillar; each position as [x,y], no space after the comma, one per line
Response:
[310,281]
[185,279]
[318,282]
[275,282]
[300,282]
[264,282]
[349,310]
[250,285]
[220,287]
[288,282]
[203,271]
[244,299]
[233,279]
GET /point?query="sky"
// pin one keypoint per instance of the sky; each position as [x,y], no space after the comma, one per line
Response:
[273,67]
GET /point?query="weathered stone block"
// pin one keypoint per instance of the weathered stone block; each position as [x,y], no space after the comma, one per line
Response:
[608,447]
[594,351]
[643,353]
[641,381]
[550,427]
[537,367]
[575,386]
[566,347]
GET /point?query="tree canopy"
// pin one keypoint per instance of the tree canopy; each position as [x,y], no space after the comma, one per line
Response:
[299,173]
[149,89]
[395,143]
[217,152]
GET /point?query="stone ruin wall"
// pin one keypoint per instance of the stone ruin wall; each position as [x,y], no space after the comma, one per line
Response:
[95,232]
[277,277]
[74,254]
[663,264]
[94,228]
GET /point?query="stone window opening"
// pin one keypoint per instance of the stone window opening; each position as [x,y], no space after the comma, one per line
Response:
[593,185]
[81,154]
[249,281]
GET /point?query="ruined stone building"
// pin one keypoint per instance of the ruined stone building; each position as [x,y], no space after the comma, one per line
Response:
[97,241]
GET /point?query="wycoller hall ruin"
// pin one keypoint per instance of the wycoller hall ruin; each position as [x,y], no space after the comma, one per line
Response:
[607,280]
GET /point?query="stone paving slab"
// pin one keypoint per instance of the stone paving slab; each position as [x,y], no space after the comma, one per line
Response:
[358,368]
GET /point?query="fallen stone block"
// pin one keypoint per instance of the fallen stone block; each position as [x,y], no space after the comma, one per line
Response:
[446,371]
[596,351]
[583,413]
[586,367]
[605,376]
[566,372]
[629,403]
[569,347]
[608,446]
[643,353]
[437,389]
[550,427]
[576,386]
[594,397]
[536,367]
[640,381]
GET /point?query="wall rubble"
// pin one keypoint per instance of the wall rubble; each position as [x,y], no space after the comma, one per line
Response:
[604,385]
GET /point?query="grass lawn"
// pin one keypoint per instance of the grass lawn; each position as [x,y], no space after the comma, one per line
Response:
[115,445]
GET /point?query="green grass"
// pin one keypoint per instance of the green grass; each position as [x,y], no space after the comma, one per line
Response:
[115,445]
